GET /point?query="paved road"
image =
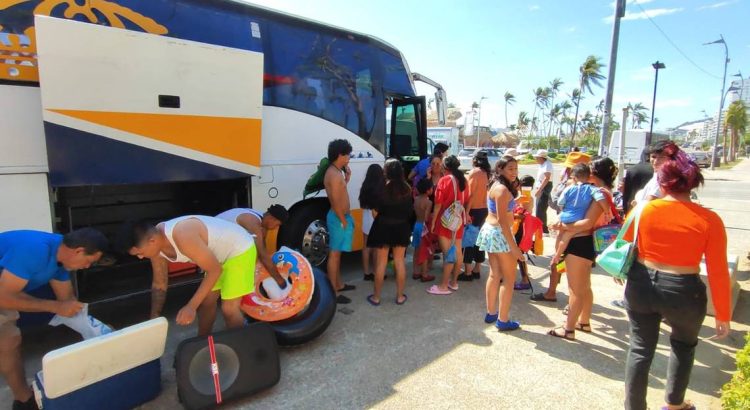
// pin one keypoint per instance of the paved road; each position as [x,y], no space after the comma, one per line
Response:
[435,352]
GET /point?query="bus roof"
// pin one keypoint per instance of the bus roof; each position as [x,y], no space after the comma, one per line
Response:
[240,5]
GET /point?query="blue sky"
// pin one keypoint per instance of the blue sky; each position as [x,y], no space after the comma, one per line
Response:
[480,48]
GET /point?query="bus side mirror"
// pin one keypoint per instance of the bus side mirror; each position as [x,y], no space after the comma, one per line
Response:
[441,102]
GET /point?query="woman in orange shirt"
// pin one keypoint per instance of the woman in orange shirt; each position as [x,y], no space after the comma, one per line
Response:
[673,235]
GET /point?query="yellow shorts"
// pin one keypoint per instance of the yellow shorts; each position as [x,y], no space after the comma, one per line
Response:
[237,275]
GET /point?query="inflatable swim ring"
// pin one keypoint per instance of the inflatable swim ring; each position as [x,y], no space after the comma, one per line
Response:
[267,302]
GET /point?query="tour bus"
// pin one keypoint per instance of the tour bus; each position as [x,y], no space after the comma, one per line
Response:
[126,109]
[635,142]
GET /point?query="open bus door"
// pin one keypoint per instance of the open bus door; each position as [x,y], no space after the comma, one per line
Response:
[408,137]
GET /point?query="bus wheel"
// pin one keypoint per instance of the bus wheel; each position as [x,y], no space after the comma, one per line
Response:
[306,231]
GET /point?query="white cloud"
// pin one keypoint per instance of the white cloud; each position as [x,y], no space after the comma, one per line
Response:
[645,14]
[534,7]
[717,5]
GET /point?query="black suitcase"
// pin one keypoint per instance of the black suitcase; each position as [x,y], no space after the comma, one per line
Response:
[241,362]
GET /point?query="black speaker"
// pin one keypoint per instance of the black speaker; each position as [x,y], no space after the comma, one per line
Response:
[226,366]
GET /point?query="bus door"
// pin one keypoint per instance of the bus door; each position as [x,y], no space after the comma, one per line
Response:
[127,107]
[408,133]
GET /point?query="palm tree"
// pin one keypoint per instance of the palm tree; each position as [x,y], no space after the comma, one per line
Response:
[590,74]
[523,121]
[554,86]
[638,114]
[509,100]
[540,98]
[736,119]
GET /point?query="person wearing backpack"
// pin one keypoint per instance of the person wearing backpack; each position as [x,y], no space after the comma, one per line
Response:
[448,219]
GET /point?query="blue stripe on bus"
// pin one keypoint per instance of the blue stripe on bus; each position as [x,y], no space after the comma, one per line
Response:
[80,158]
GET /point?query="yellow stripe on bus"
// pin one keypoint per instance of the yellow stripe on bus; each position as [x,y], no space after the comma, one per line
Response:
[236,139]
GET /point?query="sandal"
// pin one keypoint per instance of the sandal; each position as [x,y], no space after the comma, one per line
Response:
[687,405]
[371,300]
[522,286]
[584,327]
[539,297]
[403,301]
[475,275]
[369,277]
[427,278]
[507,326]
[465,278]
[435,290]
[416,276]
[347,287]
[566,309]
[453,287]
[568,335]
[488,318]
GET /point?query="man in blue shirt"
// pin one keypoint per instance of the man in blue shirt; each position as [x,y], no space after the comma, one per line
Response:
[29,260]
[420,170]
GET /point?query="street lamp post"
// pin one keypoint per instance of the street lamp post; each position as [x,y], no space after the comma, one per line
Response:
[721,100]
[742,82]
[479,119]
[657,66]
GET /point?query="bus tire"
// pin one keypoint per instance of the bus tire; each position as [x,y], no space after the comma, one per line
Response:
[314,320]
[306,232]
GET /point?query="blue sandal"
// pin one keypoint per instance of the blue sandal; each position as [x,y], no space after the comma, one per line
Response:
[507,326]
[488,318]
[372,301]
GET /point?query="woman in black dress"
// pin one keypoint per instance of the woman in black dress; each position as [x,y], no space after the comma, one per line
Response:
[391,230]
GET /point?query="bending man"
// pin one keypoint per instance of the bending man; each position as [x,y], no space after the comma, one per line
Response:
[30,260]
[223,250]
[258,225]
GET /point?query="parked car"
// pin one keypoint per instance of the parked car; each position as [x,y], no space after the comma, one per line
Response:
[467,154]
[703,159]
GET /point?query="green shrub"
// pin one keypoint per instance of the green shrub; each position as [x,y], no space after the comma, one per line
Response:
[735,395]
[529,156]
[553,155]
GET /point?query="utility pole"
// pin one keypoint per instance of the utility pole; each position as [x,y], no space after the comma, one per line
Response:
[619,13]
[714,157]
[621,153]
[657,66]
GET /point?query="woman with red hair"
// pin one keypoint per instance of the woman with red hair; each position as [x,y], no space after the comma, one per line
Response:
[673,235]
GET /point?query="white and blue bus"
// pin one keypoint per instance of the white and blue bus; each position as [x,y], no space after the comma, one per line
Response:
[129,109]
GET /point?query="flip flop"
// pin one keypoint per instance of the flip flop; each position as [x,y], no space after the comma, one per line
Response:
[454,287]
[435,290]
[347,287]
[539,297]
[521,286]
[403,301]
[427,278]
[416,276]
[371,301]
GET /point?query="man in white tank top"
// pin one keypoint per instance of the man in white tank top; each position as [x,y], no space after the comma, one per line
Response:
[258,224]
[223,250]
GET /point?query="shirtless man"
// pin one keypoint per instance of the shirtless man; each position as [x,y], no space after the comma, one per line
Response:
[258,224]
[339,220]
[223,250]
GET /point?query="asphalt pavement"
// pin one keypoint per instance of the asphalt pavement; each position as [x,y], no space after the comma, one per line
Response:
[436,352]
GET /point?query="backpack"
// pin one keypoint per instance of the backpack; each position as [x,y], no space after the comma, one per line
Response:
[453,216]
[315,182]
